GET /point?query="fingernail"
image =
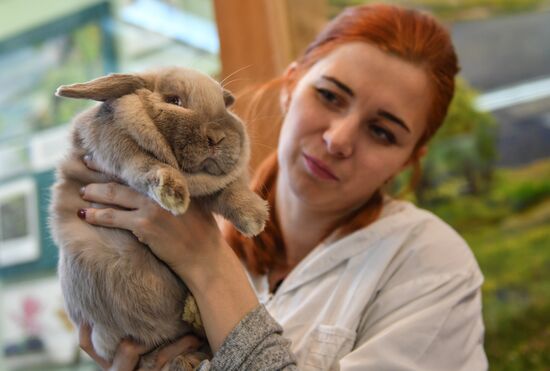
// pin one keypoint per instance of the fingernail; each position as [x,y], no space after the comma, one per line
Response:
[87,157]
[82,190]
[81,214]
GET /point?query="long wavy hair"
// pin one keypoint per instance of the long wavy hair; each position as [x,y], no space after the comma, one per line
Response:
[411,35]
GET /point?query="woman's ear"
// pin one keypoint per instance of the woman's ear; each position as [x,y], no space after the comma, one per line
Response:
[421,152]
[285,94]
[416,156]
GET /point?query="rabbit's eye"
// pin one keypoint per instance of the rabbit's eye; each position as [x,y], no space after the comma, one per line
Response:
[174,99]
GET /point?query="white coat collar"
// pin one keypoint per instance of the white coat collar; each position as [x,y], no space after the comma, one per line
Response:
[327,256]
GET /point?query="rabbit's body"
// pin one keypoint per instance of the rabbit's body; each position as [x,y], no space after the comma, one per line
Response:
[168,150]
[108,278]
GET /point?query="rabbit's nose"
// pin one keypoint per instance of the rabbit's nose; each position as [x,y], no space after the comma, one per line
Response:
[215,138]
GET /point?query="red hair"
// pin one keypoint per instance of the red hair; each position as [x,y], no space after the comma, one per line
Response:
[408,34]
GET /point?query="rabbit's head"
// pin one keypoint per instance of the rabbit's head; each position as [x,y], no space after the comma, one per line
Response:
[189,110]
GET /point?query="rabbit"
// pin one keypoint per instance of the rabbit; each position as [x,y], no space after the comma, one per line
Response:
[168,134]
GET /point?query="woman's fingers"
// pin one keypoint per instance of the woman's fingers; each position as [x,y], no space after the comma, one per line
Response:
[113,218]
[131,210]
[186,344]
[127,356]
[94,166]
[112,194]
[106,217]
[85,340]
[90,163]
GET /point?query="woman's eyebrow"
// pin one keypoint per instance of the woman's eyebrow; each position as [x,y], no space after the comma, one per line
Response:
[387,115]
[391,117]
[340,84]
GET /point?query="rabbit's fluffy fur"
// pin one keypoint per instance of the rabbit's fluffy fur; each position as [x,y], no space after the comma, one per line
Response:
[168,134]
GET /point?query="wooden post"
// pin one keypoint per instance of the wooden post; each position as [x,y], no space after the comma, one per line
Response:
[258,40]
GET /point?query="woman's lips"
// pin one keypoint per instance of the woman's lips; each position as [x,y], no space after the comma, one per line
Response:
[318,168]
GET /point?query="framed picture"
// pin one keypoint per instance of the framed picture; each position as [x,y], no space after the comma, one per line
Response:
[58,43]
[36,332]
[19,235]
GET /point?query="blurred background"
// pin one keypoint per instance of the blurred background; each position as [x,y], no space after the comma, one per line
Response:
[487,172]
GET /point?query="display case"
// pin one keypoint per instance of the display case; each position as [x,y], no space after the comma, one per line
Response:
[65,43]
[56,43]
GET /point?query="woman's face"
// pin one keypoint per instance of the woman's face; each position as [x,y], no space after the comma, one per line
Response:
[352,123]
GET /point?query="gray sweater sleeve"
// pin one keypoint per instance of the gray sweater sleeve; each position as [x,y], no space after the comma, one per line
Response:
[255,343]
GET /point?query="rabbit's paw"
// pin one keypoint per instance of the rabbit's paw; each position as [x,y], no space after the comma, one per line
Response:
[191,313]
[171,193]
[187,362]
[250,218]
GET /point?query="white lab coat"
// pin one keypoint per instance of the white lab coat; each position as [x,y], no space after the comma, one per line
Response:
[401,294]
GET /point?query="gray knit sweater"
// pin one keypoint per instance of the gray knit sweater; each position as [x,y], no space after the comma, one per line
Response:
[255,343]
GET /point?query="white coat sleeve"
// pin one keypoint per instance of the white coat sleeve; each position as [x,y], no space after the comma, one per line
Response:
[433,322]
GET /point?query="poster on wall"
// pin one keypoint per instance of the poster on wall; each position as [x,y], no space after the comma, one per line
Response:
[19,236]
[35,328]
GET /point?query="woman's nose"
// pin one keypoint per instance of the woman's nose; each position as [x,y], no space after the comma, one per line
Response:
[340,137]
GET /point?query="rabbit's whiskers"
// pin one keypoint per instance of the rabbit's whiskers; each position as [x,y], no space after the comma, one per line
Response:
[233,73]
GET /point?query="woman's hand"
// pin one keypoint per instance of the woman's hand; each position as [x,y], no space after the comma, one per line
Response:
[128,352]
[191,244]
[184,242]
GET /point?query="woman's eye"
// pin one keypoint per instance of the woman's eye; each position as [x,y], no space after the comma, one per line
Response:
[328,96]
[383,134]
[174,99]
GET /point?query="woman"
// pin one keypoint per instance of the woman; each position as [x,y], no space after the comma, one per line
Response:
[357,280]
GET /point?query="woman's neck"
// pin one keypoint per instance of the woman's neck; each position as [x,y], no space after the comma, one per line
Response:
[302,228]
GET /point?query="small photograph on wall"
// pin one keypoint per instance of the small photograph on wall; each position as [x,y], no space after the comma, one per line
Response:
[36,331]
[19,239]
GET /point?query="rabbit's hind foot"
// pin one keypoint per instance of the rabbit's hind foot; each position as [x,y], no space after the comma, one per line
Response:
[184,362]
[187,362]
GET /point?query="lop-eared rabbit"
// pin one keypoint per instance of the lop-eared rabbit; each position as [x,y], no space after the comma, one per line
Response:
[168,134]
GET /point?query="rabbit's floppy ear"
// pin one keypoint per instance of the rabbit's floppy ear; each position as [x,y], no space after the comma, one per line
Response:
[107,87]
[228,98]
